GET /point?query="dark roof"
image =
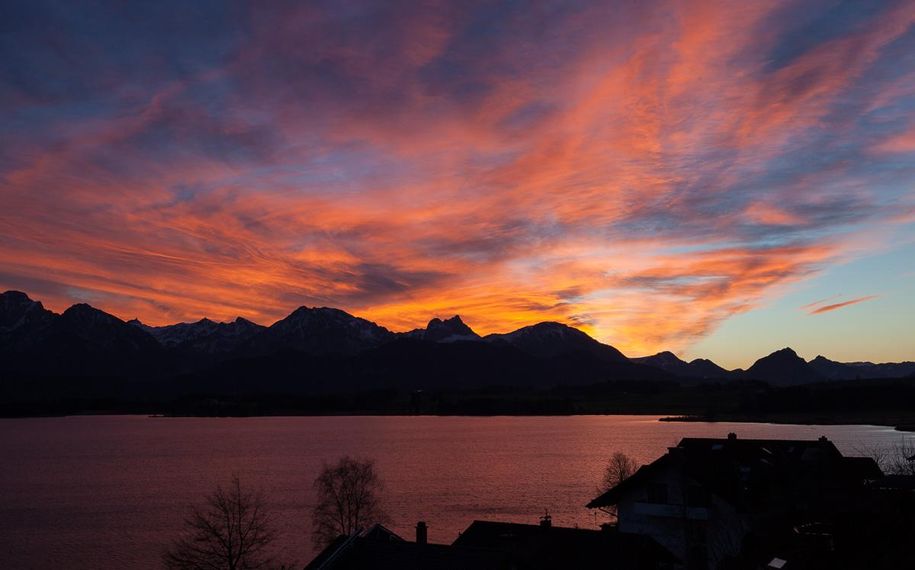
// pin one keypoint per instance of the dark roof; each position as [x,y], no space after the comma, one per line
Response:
[861,468]
[746,472]
[366,553]
[536,546]
[796,449]
[489,545]
[380,548]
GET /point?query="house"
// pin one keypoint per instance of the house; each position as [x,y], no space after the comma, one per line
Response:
[492,545]
[709,501]
[544,546]
[380,548]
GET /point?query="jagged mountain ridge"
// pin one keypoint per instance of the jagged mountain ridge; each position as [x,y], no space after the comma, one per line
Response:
[204,336]
[82,340]
[445,330]
[21,320]
[32,336]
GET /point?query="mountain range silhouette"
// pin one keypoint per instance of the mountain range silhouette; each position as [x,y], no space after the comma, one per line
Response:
[322,350]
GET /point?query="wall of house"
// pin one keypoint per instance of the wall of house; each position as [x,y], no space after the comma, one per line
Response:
[725,531]
[699,536]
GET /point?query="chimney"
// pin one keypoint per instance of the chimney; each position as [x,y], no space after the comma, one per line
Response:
[422,533]
[546,521]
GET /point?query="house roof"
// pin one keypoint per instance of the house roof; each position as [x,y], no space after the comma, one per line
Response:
[489,534]
[489,545]
[365,553]
[861,468]
[379,548]
[744,471]
[536,546]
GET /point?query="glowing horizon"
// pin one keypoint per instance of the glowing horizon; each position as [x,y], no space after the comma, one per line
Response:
[717,179]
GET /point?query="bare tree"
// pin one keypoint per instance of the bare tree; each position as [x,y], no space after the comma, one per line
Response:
[902,458]
[230,531]
[898,459]
[349,500]
[619,468]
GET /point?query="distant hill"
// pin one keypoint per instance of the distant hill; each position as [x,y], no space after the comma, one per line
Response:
[834,370]
[860,370]
[317,331]
[700,368]
[551,339]
[782,368]
[705,368]
[884,369]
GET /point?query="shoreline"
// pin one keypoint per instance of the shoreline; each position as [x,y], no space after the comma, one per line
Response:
[902,422]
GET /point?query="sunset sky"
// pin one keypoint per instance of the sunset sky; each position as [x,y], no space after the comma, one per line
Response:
[720,179]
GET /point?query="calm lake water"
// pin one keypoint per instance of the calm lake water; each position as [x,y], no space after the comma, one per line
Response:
[110,491]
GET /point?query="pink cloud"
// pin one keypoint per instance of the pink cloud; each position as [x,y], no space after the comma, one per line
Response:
[835,306]
[618,171]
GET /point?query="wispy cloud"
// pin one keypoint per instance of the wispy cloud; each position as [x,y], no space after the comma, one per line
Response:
[646,170]
[816,310]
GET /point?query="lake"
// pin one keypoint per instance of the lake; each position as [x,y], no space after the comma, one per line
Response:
[111,491]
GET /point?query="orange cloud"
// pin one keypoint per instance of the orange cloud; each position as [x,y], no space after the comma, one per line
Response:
[643,172]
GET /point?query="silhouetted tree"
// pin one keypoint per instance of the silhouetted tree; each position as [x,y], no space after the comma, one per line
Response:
[619,468]
[230,531]
[898,459]
[349,500]
[902,458]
